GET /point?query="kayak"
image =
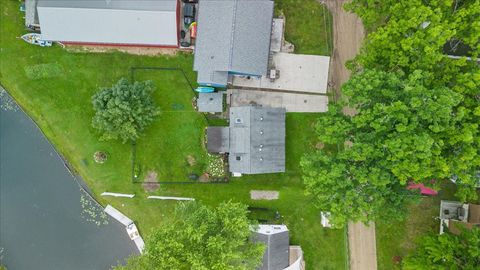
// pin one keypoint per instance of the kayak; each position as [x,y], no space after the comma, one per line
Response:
[36,39]
[204,89]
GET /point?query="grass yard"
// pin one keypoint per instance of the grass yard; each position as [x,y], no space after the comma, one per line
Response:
[308,25]
[55,87]
[177,135]
[399,239]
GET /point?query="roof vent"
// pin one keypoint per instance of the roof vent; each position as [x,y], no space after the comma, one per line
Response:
[238,120]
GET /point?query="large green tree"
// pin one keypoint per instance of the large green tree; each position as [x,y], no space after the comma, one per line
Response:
[391,140]
[412,40]
[446,252]
[417,112]
[202,238]
[124,110]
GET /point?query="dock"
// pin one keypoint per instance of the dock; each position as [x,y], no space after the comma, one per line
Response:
[130,226]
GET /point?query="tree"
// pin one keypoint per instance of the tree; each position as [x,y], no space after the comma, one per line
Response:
[418,112]
[406,129]
[124,110]
[202,239]
[412,40]
[446,251]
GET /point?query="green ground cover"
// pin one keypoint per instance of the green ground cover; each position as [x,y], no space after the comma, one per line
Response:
[61,105]
[176,136]
[396,240]
[308,25]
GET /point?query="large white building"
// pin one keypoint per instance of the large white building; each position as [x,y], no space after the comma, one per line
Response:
[110,22]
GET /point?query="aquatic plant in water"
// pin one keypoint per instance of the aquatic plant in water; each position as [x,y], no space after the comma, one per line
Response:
[6,102]
[91,211]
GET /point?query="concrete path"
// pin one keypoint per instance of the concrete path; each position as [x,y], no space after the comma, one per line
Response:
[348,34]
[292,102]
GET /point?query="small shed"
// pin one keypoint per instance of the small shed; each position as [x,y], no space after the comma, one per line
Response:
[218,139]
[210,102]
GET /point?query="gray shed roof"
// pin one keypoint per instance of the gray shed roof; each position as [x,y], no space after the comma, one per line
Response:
[233,36]
[210,102]
[218,139]
[136,22]
[276,239]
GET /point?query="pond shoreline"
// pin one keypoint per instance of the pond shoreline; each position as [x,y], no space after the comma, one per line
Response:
[42,209]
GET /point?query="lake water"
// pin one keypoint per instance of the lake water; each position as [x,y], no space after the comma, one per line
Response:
[43,225]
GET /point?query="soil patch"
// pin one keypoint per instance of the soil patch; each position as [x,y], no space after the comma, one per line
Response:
[151,182]
[348,34]
[129,50]
[264,195]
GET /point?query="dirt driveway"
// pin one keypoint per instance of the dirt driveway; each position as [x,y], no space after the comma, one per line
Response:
[348,34]
[362,243]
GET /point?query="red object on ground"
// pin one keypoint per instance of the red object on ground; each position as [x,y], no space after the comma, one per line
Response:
[423,189]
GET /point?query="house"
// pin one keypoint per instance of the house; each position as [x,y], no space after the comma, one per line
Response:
[455,215]
[233,38]
[111,22]
[279,255]
[255,140]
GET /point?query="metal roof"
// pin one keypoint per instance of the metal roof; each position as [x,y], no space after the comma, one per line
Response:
[210,102]
[276,239]
[146,5]
[136,22]
[233,36]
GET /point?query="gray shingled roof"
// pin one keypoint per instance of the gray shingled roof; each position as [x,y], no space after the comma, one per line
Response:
[233,36]
[210,102]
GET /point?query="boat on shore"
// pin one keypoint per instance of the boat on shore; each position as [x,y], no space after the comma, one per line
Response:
[36,39]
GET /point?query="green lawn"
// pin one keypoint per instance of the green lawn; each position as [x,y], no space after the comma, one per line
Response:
[400,238]
[55,87]
[308,25]
[176,135]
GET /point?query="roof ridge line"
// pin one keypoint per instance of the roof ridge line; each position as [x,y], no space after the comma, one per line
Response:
[232,35]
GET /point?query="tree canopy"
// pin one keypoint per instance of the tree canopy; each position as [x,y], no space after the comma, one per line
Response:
[124,110]
[446,251]
[416,113]
[202,239]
